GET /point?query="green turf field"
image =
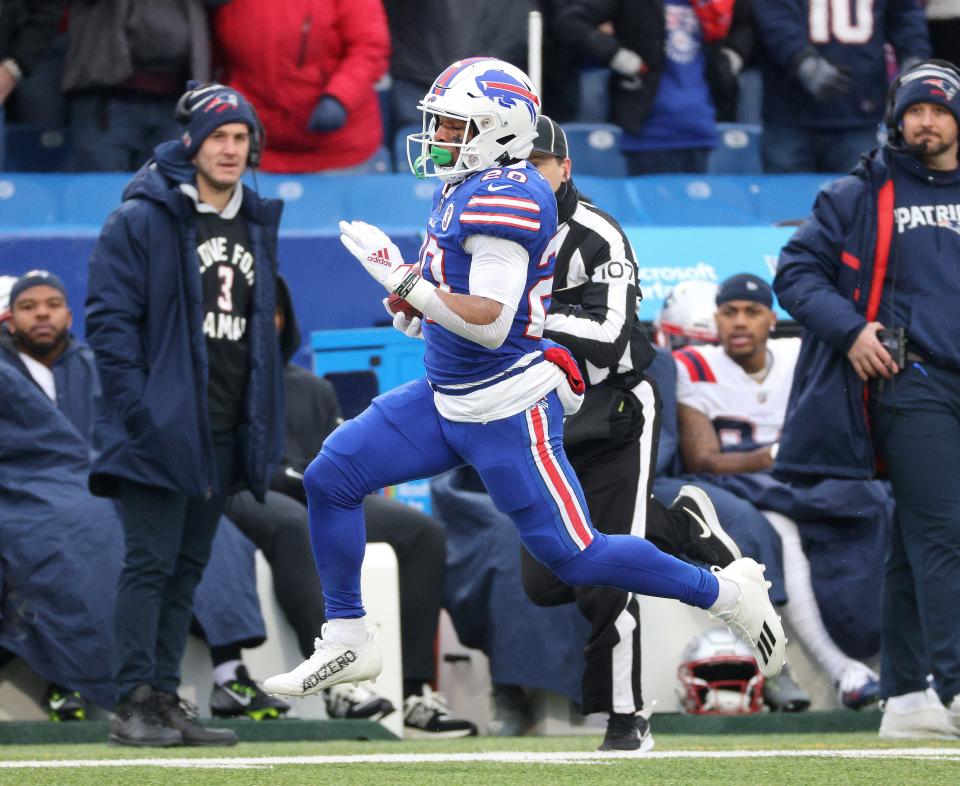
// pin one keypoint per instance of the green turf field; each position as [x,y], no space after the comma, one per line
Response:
[774,760]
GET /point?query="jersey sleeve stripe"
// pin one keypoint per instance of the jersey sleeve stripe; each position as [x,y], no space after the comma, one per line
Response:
[504,201]
[696,365]
[499,218]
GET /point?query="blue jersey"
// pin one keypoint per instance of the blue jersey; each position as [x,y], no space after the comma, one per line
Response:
[514,204]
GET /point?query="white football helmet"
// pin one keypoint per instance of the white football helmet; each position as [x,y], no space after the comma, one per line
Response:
[498,102]
[687,316]
[719,675]
[6,284]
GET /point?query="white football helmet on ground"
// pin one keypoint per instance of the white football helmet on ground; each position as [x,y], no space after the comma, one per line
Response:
[719,675]
[687,316]
[498,102]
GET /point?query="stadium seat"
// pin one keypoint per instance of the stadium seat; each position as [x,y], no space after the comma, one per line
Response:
[31,149]
[738,152]
[89,198]
[378,164]
[27,202]
[595,149]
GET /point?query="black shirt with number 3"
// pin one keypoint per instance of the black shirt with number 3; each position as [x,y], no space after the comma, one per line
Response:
[227,273]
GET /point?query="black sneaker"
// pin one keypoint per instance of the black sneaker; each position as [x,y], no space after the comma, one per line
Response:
[64,705]
[627,732]
[347,700]
[180,715]
[242,697]
[427,716]
[706,542]
[782,694]
[137,722]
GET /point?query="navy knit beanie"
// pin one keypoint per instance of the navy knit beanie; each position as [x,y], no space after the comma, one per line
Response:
[928,83]
[206,107]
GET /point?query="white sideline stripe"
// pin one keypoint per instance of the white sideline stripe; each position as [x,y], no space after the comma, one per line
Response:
[512,757]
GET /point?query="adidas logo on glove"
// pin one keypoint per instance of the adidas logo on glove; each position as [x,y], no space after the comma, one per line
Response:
[380,257]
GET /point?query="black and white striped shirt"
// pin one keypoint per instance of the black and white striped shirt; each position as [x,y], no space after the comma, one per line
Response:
[596,297]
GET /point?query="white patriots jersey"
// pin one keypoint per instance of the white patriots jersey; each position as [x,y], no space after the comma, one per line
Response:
[745,413]
[515,203]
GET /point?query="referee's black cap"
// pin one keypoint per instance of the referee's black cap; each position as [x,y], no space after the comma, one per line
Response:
[550,138]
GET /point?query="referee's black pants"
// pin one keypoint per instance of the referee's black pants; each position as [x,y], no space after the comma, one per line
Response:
[617,481]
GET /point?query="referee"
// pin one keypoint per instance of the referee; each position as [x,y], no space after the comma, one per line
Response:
[611,442]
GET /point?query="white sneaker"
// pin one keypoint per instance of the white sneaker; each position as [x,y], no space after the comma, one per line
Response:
[929,722]
[356,701]
[427,716]
[953,713]
[331,664]
[753,618]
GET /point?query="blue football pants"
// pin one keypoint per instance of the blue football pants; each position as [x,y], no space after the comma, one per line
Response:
[402,437]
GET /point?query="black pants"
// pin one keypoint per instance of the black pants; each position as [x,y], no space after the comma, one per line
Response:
[168,537]
[916,425]
[617,480]
[279,529]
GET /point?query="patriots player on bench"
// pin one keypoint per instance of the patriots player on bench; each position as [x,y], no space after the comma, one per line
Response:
[495,392]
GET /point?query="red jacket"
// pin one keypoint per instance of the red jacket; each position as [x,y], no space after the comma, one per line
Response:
[284,56]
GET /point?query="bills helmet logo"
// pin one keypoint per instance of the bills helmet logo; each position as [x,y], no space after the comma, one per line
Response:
[940,87]
[507,91]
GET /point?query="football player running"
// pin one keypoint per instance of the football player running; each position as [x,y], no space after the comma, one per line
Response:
[495,391]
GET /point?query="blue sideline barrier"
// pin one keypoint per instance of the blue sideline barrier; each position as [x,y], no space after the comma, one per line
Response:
[31,202]
[52,221]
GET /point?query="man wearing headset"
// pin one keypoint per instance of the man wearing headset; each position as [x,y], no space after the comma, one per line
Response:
[179,314]
[872,277]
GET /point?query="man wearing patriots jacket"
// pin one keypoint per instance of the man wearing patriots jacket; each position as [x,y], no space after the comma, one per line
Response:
[495,392]
[880,253]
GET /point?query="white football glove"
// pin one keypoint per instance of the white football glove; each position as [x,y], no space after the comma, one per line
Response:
[409,327]
[377,253]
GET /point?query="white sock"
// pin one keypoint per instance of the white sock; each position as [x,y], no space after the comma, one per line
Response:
[728,595]
[226,671]
[802,611]
[352,632]
[909,702]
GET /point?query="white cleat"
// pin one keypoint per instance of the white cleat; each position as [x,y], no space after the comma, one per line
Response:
[753,618]
[332,663]
[922,723]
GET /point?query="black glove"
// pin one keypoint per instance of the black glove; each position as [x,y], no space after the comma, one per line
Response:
[328,115]
[822,79]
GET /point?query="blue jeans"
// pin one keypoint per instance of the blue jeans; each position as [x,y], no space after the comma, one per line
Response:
[118,134]
[788,149]
[916,424]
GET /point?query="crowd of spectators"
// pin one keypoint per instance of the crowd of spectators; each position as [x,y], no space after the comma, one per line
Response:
[334,84]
